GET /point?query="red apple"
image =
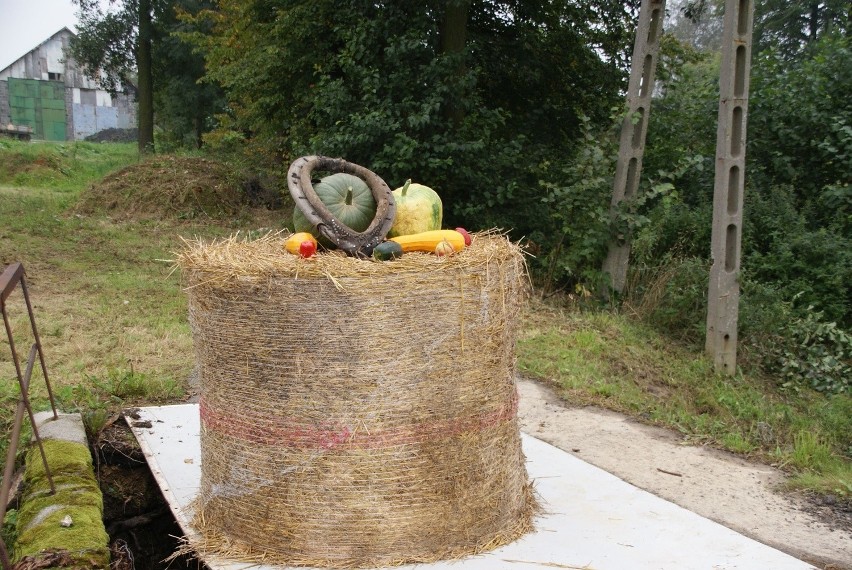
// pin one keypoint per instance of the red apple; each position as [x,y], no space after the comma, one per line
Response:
[467,238]
[307,248]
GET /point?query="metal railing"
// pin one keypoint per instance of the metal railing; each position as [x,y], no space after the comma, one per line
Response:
[11,277]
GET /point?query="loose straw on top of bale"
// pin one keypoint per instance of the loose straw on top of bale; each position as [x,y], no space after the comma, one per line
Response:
[357,413]
[239,258]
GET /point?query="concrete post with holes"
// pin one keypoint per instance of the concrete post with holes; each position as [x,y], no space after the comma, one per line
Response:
[634,128]
[724,290]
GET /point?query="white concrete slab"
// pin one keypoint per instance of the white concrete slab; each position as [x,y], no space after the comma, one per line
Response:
[64,427]
[592,520]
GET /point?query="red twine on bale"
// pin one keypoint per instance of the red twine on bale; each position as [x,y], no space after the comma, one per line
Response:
[291,433]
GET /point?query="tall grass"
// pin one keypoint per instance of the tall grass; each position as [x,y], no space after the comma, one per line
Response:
[615,361]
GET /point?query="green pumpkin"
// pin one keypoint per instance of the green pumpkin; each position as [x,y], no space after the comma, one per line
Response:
[347,197]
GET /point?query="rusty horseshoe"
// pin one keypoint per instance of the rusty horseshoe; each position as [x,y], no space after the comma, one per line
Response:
[358,244]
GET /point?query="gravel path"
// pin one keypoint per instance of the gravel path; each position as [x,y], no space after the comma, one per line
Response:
[717,485]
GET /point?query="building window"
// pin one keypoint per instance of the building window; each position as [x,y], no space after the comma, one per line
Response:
[54,76]
[88,97]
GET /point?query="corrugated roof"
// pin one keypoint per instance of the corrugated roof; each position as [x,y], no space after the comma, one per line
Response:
[35,47]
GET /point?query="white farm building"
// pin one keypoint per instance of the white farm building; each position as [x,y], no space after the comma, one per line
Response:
[44,92]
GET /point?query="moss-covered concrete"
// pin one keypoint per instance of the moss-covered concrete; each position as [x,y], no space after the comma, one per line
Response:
[69,521]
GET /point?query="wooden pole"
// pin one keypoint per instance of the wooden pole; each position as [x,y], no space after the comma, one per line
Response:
[634,128]
[724,290]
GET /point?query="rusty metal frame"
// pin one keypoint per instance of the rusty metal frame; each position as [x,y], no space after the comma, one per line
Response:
[11,277]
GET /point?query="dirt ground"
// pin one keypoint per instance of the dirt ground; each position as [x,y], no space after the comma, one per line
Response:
[719,486]
[142,530]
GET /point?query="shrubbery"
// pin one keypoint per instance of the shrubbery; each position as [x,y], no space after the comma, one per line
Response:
[813,352]
[796,297]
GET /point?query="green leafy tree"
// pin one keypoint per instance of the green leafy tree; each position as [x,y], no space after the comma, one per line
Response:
[788,27]
[800,125]
[139,39]
[468,97]
[111,44]
[184,105]
[701,31]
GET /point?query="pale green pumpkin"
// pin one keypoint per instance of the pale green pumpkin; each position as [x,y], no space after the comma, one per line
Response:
[418,209]
[347,197]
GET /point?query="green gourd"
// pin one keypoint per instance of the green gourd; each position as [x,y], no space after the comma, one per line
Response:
[387,251]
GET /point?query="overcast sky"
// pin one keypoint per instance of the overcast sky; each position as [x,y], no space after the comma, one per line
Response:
[26,23]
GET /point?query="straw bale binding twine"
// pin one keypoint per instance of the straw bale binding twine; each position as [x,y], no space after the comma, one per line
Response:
[357,413]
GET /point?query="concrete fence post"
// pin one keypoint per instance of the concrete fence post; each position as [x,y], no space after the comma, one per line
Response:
[724,291]
[634,128]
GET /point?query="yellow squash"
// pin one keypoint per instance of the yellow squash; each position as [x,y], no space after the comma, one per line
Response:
[295,241]
[428,241]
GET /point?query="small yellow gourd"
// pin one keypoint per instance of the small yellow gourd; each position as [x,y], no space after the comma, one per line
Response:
[294,242]
[428,241]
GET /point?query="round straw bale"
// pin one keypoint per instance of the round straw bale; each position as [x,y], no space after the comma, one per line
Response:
[357,413]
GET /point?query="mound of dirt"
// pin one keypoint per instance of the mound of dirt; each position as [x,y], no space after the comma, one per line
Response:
[166,187]
[114,135]
[31,166]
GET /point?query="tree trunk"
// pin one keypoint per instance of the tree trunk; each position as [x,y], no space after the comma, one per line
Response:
[453,38]
[813,22]
[145,80]
[199,126]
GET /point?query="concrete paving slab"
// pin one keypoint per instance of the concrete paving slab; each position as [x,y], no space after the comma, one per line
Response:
[592,520]
[66,427]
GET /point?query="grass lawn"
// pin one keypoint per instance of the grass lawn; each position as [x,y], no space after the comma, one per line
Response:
[113,323]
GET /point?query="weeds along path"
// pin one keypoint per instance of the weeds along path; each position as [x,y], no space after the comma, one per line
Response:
[719,486]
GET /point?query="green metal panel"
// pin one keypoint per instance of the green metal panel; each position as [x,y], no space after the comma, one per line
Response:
[54,124]
[17,88]
[52,98]
[54,104]
[40,105]
[39,124]
[58,133]
[22,108]
[51,90]
[53,115]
